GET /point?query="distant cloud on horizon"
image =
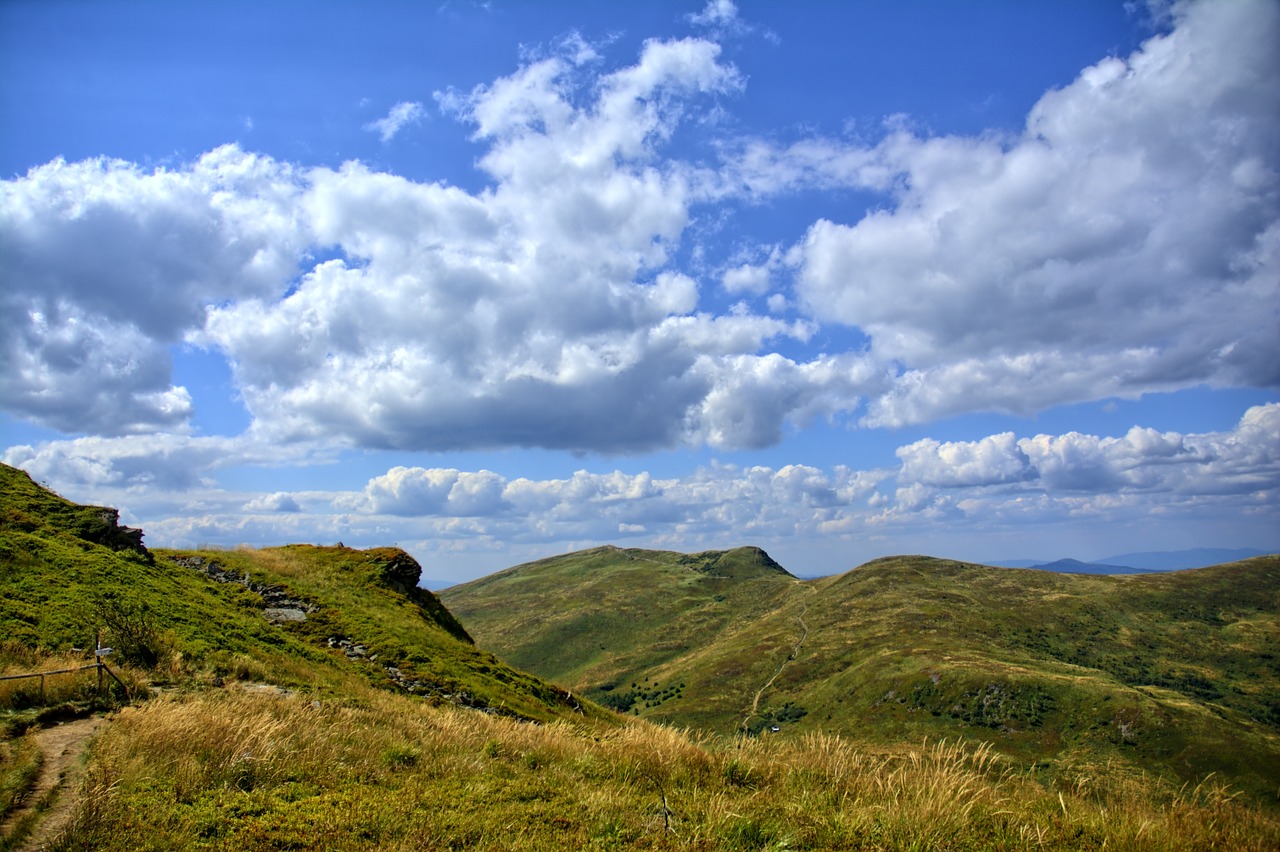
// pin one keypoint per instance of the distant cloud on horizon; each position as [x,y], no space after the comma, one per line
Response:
[1002,479]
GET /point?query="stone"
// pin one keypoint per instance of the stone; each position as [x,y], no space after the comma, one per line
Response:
[282,615]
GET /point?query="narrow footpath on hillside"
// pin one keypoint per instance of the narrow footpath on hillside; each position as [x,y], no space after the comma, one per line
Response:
[57,785]
[795,652]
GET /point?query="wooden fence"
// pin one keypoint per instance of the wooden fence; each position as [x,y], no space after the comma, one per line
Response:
[98,664]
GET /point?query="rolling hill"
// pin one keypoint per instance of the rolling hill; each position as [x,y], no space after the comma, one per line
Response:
[1075,566]
[1175,673]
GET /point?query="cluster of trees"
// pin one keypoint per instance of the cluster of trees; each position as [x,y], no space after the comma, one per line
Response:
[643,694]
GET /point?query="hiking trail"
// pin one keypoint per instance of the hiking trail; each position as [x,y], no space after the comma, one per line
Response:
[61,746]
[795,652]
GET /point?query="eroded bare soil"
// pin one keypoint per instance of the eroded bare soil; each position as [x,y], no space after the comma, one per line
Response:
[62,745]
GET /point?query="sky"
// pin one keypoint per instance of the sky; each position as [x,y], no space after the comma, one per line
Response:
[497,281]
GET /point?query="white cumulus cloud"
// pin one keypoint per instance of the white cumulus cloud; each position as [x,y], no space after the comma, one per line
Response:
[106,265]
[275,502]
[1128,240]
[1146,478]
[1144,472]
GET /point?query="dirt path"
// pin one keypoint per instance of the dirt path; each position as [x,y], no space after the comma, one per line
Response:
[62,746]
[795,652]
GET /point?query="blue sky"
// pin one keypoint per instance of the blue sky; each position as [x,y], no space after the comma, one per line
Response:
[494,281]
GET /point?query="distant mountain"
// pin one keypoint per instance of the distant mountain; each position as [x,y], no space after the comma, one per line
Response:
[1168,673]
[1075,566]
[1176,560]
[1139,563]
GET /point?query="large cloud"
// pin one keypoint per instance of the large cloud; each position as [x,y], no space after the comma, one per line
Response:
[1127,241]
[105,264]
[534,314]
[951,464]
[1144,471]
[164,463]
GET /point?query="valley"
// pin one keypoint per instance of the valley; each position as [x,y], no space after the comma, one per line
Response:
[1174,671]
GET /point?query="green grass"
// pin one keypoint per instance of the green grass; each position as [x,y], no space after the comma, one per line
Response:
[176,624]
[1173,674]
[230,769]
[603,617]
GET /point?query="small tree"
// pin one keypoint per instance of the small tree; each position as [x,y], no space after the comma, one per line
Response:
[133,633]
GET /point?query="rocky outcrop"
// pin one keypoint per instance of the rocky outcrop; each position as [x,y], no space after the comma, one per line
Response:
[402,572]
[280,607]
[399,570]
[101,525]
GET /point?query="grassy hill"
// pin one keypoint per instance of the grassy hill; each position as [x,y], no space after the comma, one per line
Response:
[1174,674]
[315,698]
[596,617]
[66,570]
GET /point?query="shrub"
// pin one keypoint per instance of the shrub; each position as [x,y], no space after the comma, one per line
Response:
[132,632]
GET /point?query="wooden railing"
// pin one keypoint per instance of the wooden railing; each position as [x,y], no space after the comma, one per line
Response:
[98,664]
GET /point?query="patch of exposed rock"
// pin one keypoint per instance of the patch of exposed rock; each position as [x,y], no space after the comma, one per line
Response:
[280,607]
[400,570]
[413,685]
[104,528]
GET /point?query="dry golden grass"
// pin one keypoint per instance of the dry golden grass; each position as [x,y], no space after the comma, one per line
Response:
[21,693]
[20,761]
[71,681]
[257,769]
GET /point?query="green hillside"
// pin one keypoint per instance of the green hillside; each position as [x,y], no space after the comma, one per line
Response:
[1170,673]
[299,616]
[604,615]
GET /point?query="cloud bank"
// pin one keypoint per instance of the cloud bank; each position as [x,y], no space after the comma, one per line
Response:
[1126,241]
[996,483]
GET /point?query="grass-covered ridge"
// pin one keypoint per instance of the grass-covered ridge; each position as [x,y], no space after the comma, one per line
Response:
[186,615]
[1172,674]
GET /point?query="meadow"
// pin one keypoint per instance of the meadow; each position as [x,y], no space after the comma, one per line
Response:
[268,770]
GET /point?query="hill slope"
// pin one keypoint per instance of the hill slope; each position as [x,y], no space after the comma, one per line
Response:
[1173,673]
[296,615]
[593,617]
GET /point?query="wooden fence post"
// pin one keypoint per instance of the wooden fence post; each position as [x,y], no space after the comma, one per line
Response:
[97,654]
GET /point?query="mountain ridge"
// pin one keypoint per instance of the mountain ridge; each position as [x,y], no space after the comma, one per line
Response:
[1165,669]
[1075,566]
[1161,560]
